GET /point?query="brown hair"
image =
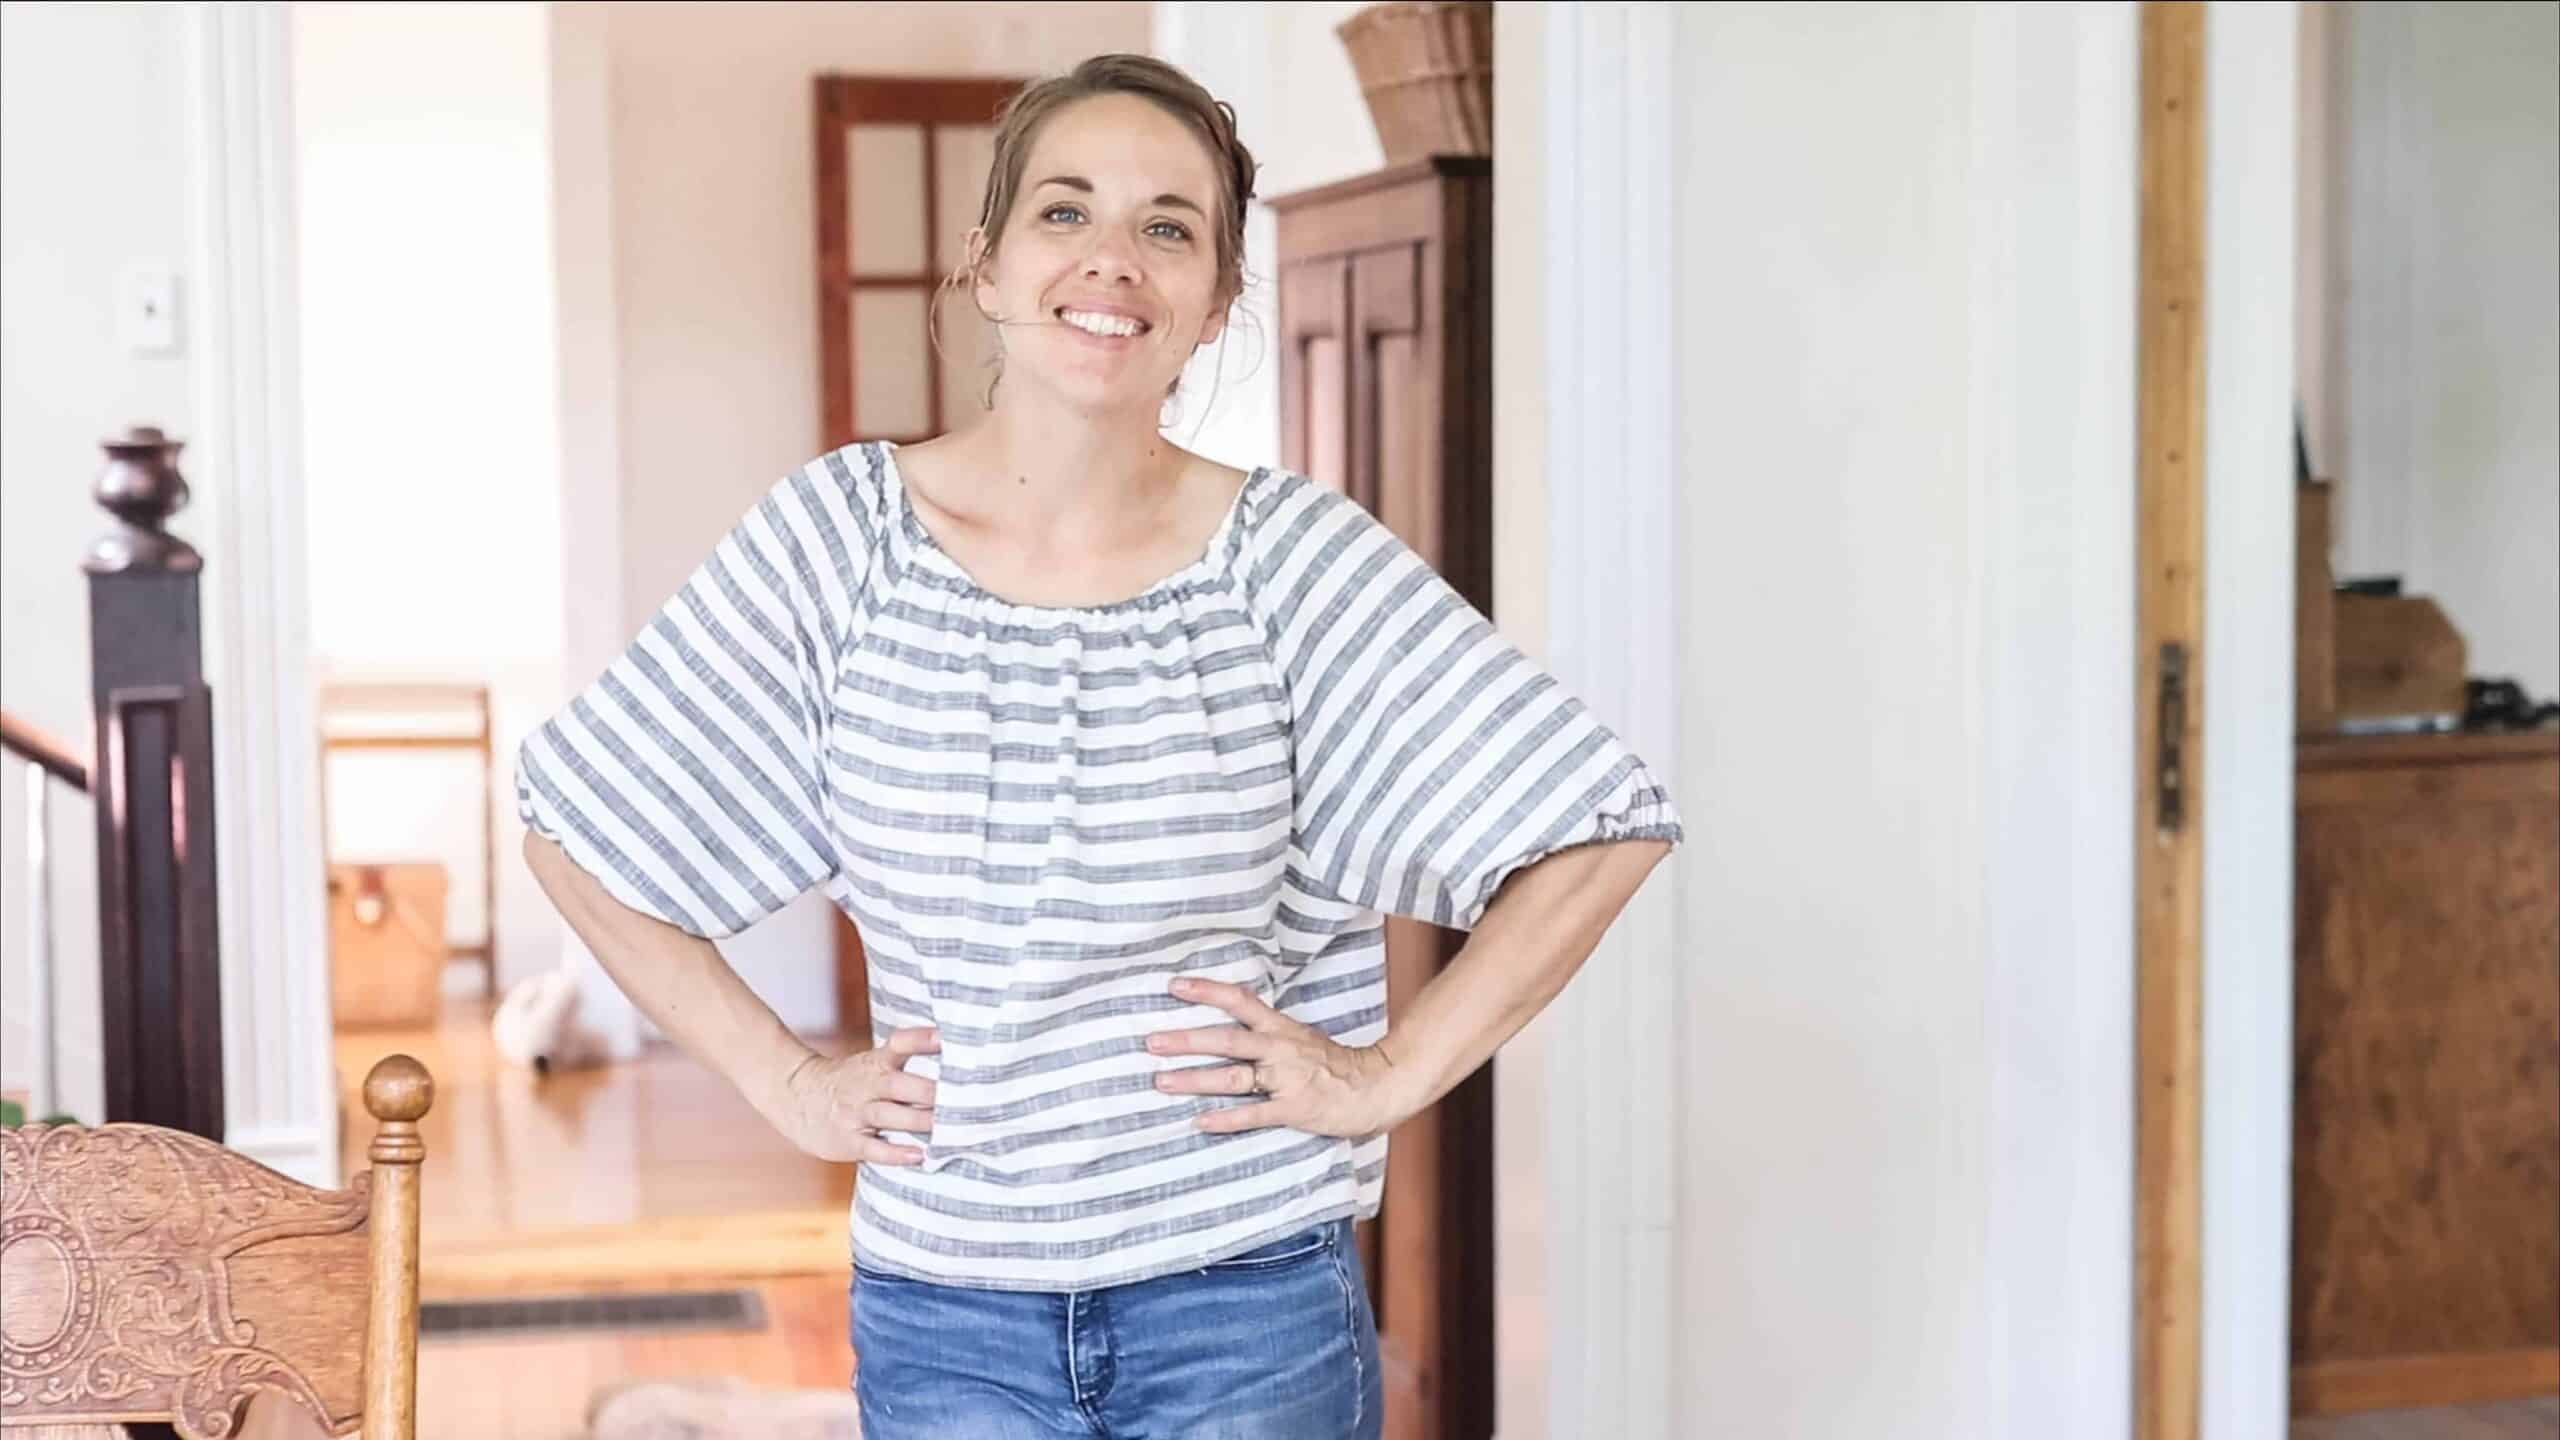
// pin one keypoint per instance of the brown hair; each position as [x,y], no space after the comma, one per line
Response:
[1210,119]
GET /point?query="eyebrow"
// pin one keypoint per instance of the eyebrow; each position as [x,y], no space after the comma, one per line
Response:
[1168,198]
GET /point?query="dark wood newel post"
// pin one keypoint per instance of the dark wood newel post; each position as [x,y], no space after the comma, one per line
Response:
[159,982]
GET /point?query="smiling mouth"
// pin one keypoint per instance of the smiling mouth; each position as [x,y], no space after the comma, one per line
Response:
[1094,322]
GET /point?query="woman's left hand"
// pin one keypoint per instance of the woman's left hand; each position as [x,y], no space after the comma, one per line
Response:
[1313,1083]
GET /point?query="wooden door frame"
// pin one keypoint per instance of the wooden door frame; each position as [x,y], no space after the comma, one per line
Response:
[2215,573]
[2169,624]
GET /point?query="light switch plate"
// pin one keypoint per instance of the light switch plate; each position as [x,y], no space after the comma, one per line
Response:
[147,308]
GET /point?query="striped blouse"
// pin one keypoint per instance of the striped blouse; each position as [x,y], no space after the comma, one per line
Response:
[1036,816]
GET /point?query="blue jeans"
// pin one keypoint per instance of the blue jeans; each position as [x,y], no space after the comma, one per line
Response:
[1277,1343]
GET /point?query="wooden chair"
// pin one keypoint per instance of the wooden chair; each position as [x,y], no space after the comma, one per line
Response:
[152,1275]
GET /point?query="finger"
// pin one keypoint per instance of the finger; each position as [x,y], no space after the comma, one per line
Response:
[1236,1000]
[1227,1040]
[880,1152]
[1242,1117]
[1208,1080]
[914,1040]
[881,1115]
[907,1089]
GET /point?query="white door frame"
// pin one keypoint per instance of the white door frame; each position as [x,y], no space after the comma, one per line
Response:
[245,462]
[2252,60]
[1586,1212]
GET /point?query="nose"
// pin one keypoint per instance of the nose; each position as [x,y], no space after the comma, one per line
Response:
[1111,260]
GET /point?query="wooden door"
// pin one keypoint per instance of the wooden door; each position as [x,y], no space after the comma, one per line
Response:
[1385,322]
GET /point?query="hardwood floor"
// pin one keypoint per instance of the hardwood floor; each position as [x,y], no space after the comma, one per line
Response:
[542,1389]
[646,1175]
[511,1154]
[2534,1419]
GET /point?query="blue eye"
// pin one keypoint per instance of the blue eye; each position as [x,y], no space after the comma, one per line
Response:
[1172,229]
[1071,213]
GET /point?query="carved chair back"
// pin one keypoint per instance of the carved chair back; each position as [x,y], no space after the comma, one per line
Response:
[152,1275]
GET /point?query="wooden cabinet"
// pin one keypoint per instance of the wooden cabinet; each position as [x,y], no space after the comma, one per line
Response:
[1386,382]
[2426,1224]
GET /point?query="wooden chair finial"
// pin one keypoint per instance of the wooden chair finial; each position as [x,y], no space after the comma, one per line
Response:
[399,1088]
[398,1091]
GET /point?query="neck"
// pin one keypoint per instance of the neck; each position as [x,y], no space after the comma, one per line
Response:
[1055,462]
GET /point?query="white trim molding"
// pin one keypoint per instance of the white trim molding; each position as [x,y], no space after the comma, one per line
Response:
[245,462]
[1593,1095]
[2251,67]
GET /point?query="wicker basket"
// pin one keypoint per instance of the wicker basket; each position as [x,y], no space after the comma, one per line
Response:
[1426,69]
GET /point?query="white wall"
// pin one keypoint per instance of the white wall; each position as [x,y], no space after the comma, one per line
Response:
[2449,473]
[430,431]
[715,286]
[1299,110]
[1900,322]
[71,218]
[1836,1183]
[2053,279]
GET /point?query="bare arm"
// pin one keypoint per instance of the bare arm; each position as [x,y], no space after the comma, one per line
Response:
[826,1105]
[1542,925]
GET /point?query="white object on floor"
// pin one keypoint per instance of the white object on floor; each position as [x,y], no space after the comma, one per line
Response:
[720,1410]
[537,1025]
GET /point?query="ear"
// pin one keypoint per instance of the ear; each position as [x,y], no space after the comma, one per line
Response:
[1215,324]
[974,258]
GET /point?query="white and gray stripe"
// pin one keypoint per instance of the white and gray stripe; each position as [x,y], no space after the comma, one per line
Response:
[1038,815]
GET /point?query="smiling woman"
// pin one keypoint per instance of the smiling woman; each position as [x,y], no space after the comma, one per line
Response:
[1118,759]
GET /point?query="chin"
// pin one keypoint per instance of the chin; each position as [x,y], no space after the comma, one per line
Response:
[1103,396]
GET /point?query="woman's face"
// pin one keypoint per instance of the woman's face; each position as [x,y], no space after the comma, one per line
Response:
[1106,273]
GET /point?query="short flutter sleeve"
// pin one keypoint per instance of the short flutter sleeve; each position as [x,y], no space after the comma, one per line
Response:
[688,777]
[1433,759]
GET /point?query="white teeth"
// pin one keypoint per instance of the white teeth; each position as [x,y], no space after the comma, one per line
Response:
[1093,324]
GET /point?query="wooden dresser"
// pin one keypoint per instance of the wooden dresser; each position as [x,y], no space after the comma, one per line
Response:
[1386,385]
[2426,1212]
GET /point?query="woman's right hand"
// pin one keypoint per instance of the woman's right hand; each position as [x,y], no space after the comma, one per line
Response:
[835,1106]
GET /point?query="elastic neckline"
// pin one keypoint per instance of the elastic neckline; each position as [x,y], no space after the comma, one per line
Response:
[1210,566]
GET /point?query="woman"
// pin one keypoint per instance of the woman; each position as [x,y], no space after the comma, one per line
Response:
[1117,757]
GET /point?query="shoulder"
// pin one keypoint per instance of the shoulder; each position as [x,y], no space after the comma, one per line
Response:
[1313,556]
[813,543]
[1302,528]
[838,501]
[857,473]
[1284,509]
